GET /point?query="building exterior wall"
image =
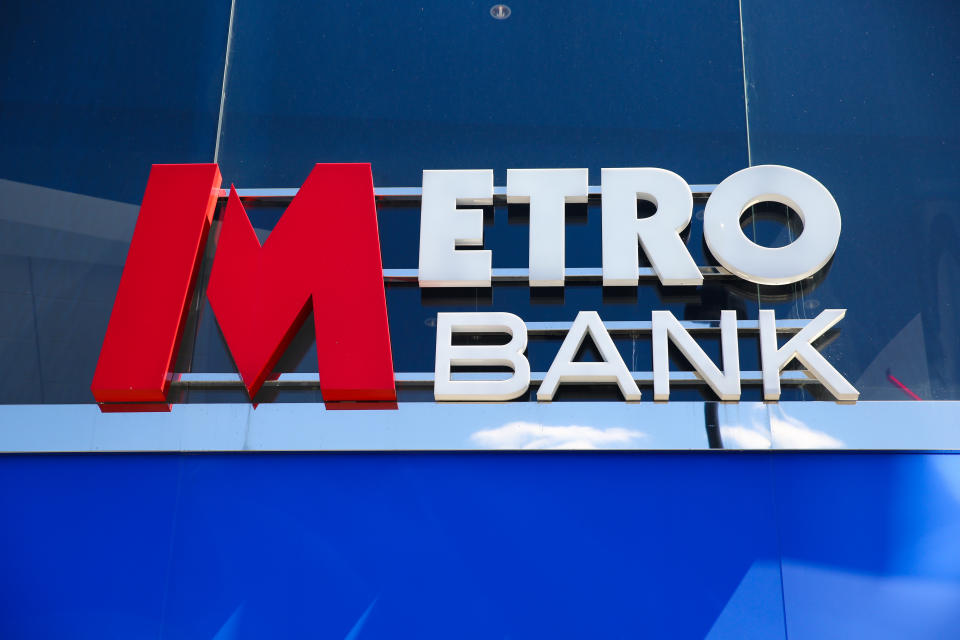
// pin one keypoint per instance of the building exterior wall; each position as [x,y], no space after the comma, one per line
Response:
[225,519]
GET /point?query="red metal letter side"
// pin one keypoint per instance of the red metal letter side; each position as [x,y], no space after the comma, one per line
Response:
[139,350]
[323,254]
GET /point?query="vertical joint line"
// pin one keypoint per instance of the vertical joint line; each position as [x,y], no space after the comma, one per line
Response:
[223,85]
[746,99]
[746,115]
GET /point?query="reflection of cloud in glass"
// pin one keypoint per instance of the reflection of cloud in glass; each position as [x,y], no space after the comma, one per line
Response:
[530,435]
[744,426]
[791,433]
[735,437]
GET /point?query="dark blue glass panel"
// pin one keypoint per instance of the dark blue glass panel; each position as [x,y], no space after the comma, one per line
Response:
[437,85]
[865,97]
[91,97]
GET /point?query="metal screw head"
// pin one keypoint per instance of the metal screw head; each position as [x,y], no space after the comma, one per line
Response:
[500,11]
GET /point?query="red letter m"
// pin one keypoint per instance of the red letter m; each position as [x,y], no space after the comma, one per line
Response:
[323,255]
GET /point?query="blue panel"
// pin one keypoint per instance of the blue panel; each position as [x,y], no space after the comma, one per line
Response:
[94,94]
[85,545]
[384,545]
[864,97]
[440,85]
[869,544]
[461,545]
[91,96]
[480,545]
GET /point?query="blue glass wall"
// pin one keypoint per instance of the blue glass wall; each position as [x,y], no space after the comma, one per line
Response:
[865,97]
[92,97]
[532,545]
[436,85]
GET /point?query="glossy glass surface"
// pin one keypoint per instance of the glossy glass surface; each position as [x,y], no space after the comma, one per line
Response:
[868,545]
[435,85]
[864,98]
[478,545]
[422,426]
[91,96]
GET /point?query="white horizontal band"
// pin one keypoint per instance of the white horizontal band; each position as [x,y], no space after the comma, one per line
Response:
[429,426]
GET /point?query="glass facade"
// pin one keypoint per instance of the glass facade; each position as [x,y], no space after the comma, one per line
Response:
[866,101]
[455,543]
[411,87]
[551,544]
[91,97]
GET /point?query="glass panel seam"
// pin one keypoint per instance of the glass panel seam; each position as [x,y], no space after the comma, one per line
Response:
[223,85]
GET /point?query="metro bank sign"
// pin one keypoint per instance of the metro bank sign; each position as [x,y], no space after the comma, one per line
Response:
[324,256]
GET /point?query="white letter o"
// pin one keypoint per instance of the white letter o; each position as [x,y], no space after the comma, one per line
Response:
[800,259]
